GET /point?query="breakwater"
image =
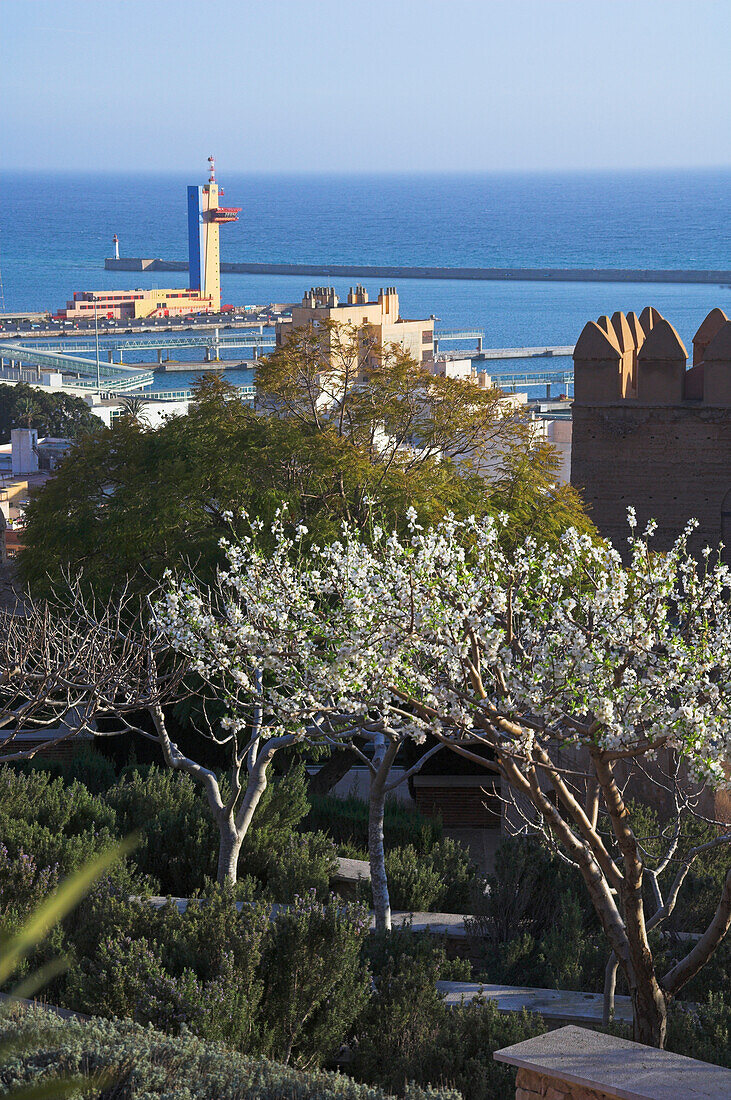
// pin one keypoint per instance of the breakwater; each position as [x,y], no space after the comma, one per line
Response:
[484,274]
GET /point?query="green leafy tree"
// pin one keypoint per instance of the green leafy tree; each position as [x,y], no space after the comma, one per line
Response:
[54,414]
[129,502]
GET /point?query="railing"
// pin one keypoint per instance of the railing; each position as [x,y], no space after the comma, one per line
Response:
[246,393]
[534,378]
[57,362]
[141,344]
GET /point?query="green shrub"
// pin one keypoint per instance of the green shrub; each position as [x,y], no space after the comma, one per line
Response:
[149,1065]
[59,825]
[408,1033]
[702,1030]
[203,940]
[87,766]
[525,893]
[441,879]
[23,885]
[315,982]
[305,862]
[290,986]
[461,1055]
[39,798]
[169,810]
[113,981]
[346,821]
[567,956]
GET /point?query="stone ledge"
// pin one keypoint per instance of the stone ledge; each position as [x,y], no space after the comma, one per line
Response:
[556,1006]
[611,1067]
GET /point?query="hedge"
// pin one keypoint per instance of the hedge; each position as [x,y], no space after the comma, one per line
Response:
[149,1065]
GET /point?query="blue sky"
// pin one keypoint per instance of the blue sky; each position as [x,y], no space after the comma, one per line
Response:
[380,85]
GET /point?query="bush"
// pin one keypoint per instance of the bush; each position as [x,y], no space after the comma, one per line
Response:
[407,1032]
[23,885]
[462,1053]
[169,811]
[58,825]
[306,862]
[87,766]
[315,982]
[525,893]
[567,956]
[346,821]
[153,964]
[149,1065]
[702,1031]
[290,986]
[441,879]
[39,798]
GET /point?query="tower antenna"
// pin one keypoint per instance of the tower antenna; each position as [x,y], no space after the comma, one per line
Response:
[212,168]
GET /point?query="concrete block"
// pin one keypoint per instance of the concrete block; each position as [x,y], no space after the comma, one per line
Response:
[607,1066]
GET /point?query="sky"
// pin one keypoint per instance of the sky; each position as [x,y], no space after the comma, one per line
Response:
[376,86]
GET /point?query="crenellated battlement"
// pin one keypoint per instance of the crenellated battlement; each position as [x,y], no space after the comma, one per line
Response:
[651,431]
[642,361]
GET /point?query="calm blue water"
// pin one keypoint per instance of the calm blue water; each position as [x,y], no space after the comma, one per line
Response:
[56,230]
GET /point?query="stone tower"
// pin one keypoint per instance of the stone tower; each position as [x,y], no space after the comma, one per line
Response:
[651,433]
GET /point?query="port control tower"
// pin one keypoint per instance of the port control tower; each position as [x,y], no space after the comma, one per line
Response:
[204,218]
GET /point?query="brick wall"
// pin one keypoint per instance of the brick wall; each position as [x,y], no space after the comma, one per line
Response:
[670,463]
[536,1086]
[650,433]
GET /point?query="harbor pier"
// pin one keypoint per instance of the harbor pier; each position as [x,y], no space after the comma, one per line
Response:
[485,274]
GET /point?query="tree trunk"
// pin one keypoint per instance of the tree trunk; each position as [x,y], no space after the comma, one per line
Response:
[377,856]
[610,986]
[383,759]
[228,853]
[649,1006]
[331,772]
[650,1014]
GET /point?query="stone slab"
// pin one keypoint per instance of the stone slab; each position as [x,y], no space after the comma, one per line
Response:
[444,924]
[439,924]
[9,1001]
[619,1067]
[352,870]
[560,1006]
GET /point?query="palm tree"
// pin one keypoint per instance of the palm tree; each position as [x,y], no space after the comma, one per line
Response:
[133,408]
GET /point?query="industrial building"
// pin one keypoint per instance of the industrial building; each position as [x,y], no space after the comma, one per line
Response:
[204,263]
[379,323]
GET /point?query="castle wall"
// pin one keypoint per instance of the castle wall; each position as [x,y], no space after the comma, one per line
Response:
[667,451]
[670,463]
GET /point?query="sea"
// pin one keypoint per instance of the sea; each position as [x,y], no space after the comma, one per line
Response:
[56,230]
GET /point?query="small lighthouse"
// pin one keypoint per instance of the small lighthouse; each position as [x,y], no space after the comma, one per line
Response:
[115,242]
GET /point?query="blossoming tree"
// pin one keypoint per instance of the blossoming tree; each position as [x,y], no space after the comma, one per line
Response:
[569,666]
[280,640]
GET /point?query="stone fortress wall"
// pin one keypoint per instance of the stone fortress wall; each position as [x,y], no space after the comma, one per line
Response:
[651,433]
